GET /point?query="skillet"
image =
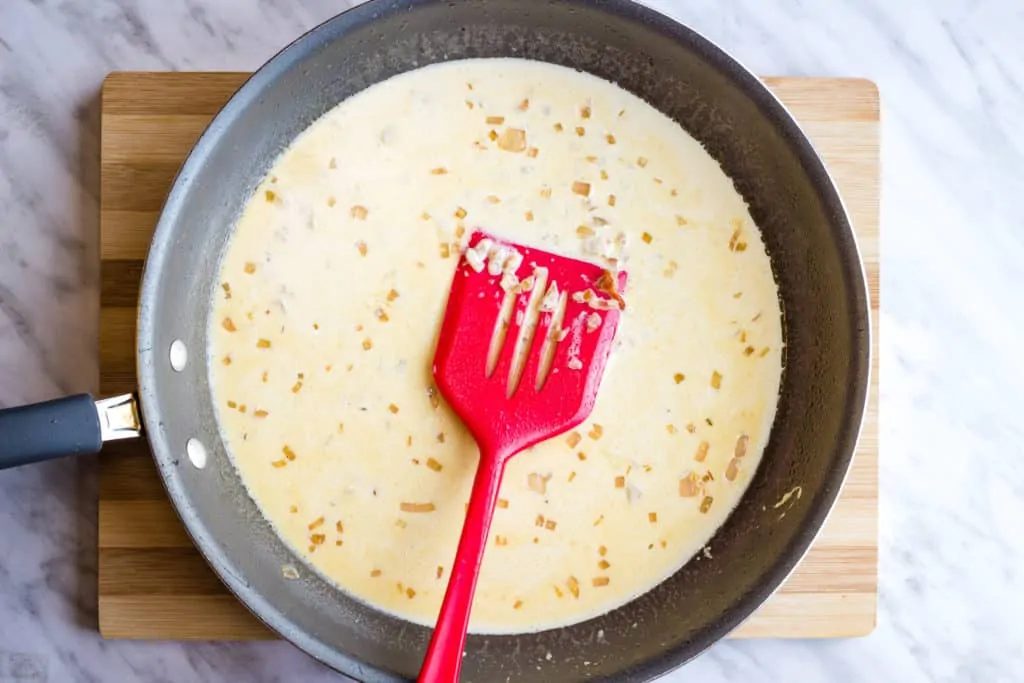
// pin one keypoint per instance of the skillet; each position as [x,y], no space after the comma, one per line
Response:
[793,200]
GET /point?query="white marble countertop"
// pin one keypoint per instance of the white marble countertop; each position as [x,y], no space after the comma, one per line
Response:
[951,74]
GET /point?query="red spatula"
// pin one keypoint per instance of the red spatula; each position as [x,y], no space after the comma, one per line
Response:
[524,343]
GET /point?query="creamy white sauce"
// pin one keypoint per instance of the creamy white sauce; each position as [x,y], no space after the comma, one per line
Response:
[335,284]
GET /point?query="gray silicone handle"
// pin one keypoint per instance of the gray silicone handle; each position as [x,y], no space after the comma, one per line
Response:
[53,429]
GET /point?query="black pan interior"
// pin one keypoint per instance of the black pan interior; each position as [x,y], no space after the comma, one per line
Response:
[791,197]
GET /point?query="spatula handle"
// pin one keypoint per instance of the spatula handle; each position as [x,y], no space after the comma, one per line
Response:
[444,656]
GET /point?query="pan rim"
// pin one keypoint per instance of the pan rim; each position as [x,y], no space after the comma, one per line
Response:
[858,372]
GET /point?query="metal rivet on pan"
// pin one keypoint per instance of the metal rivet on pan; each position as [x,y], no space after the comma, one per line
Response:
[179,355]
[196,453]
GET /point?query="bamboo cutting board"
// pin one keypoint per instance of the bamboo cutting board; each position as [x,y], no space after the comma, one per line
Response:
[153,584]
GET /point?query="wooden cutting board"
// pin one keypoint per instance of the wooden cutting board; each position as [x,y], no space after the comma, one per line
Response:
[153,584]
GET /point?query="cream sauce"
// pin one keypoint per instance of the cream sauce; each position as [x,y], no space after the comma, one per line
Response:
[333,289]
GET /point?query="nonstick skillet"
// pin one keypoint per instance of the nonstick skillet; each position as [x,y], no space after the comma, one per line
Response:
[791,196]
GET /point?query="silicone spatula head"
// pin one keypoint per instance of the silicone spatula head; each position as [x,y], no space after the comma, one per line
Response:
[525,340]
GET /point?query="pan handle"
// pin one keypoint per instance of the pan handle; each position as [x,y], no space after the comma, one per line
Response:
[73,425]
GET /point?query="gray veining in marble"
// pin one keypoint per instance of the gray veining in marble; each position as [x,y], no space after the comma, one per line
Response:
[951,74]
